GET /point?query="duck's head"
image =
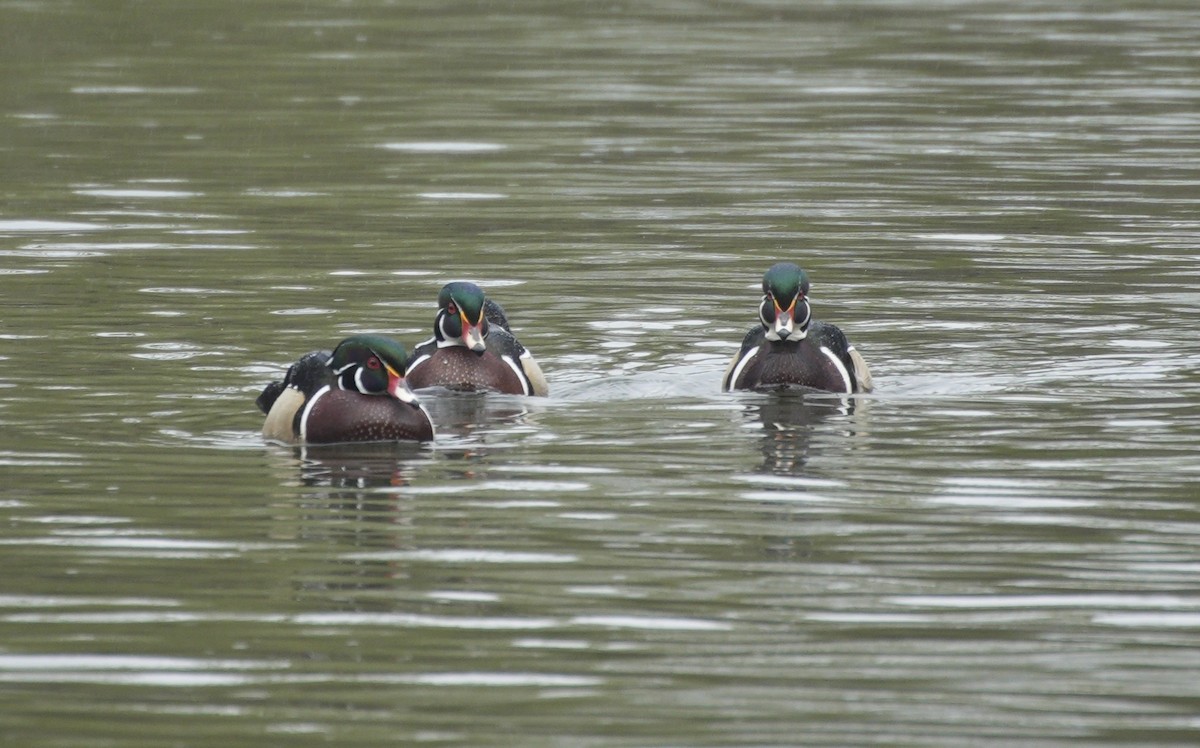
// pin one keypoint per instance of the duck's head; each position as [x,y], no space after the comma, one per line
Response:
[784,310]
[372,365]
[460,318]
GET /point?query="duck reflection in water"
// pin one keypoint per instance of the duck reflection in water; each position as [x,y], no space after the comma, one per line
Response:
[473,414]
[360,497]
[467,424]
[362,465]
[789,419]
[355,499]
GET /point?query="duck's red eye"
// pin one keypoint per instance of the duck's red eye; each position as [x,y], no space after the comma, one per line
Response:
[373,363]
[452,308]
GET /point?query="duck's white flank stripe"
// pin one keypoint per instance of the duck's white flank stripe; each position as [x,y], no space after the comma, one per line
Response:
[308,409]
[420,360]
[520,372]
[841,369]
[737,370]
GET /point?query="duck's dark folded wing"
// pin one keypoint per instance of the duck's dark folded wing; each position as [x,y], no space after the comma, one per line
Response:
[268,396]
[754,338]
[505,345]
[831,337]
[494,314]
[308,374]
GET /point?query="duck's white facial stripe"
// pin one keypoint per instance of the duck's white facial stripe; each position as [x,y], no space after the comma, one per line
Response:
[358,377]
[837,362]
[404,393]
[445,339]
[786,320]
[337,375]
[803,323]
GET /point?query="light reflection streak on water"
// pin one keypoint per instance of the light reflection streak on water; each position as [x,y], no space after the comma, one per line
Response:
[386,620]
[171,672]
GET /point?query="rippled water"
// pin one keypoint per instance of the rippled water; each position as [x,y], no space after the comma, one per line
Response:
[997,202]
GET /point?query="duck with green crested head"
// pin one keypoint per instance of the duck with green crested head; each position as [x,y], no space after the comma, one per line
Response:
[473,348]
[357,393]
[788,348]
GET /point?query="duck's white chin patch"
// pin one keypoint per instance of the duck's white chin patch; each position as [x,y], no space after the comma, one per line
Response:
[793,335]
[401,392]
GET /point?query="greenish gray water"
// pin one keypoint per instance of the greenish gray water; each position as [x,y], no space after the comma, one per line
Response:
[997,202]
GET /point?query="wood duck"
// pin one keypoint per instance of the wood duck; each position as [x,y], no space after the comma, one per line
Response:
[473,349]
[357,393]
[791,349]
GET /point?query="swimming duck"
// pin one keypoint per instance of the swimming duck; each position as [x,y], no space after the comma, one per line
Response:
[357,393]
[790,348]
[473,349]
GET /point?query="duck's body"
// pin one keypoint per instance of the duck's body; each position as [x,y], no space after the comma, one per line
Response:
[790,349]
[356,394]
[472,349]
[822,360]
[457,368]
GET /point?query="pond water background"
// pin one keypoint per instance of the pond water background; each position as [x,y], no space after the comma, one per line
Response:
[996,201]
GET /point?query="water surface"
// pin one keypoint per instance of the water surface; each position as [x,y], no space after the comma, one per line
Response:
[995,201]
